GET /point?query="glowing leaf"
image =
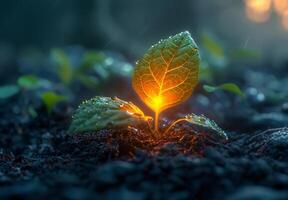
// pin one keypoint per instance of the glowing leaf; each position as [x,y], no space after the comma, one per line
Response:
[105,112]
[168,72]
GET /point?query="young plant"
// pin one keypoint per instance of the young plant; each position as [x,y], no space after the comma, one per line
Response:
[163,78]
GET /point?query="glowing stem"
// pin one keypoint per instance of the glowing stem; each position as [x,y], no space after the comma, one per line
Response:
[156,123]
[157,106]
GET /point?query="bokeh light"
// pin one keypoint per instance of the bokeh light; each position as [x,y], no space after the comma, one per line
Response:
[259,11]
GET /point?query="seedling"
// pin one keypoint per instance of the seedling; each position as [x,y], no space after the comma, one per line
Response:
[165,77]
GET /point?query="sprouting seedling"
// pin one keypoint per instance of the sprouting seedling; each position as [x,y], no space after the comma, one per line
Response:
[165,77]
[167,73]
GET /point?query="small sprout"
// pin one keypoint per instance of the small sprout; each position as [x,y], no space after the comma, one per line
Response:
[245,54]
[90,82]
[214,50]
[64,67]
[200,120]
[32,112]
[105,112]
[28,82]
[7,91]
[51,99]
[229,87]
[90,58]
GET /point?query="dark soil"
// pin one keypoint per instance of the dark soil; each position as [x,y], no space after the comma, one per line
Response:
[40,160]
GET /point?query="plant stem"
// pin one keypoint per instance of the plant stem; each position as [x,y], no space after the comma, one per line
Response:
[156,125]
[173,124]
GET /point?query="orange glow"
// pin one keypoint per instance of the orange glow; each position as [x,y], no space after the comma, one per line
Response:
[280,6]
[157,102]
[285,20]
[259,17]
[131,109]
[157,105]
[258,10]
[258,5]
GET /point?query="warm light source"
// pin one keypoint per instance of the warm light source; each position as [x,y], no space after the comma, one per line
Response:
[285,20]
[258,10]
[157,104]
[157,101]
[259,17]
[258,5]
[280,6]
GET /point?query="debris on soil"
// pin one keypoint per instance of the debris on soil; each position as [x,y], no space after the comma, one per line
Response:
[39,159]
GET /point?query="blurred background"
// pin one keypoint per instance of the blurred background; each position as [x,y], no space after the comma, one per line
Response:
[52,44]
[131,26]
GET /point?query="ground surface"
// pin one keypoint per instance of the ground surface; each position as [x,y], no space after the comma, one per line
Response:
[39,160]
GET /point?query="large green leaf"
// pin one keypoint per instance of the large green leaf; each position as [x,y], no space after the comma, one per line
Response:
[7,91]
[105,112]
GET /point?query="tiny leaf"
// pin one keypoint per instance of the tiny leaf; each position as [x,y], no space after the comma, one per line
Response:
[209,88]
[90,58]
[212,45]
[105,112]
[90,82]
[245,54]
[28,81]
[51,99]
[7,91]
[203,121]
[213,50]
[64,67]
[229,87]
[32,112]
